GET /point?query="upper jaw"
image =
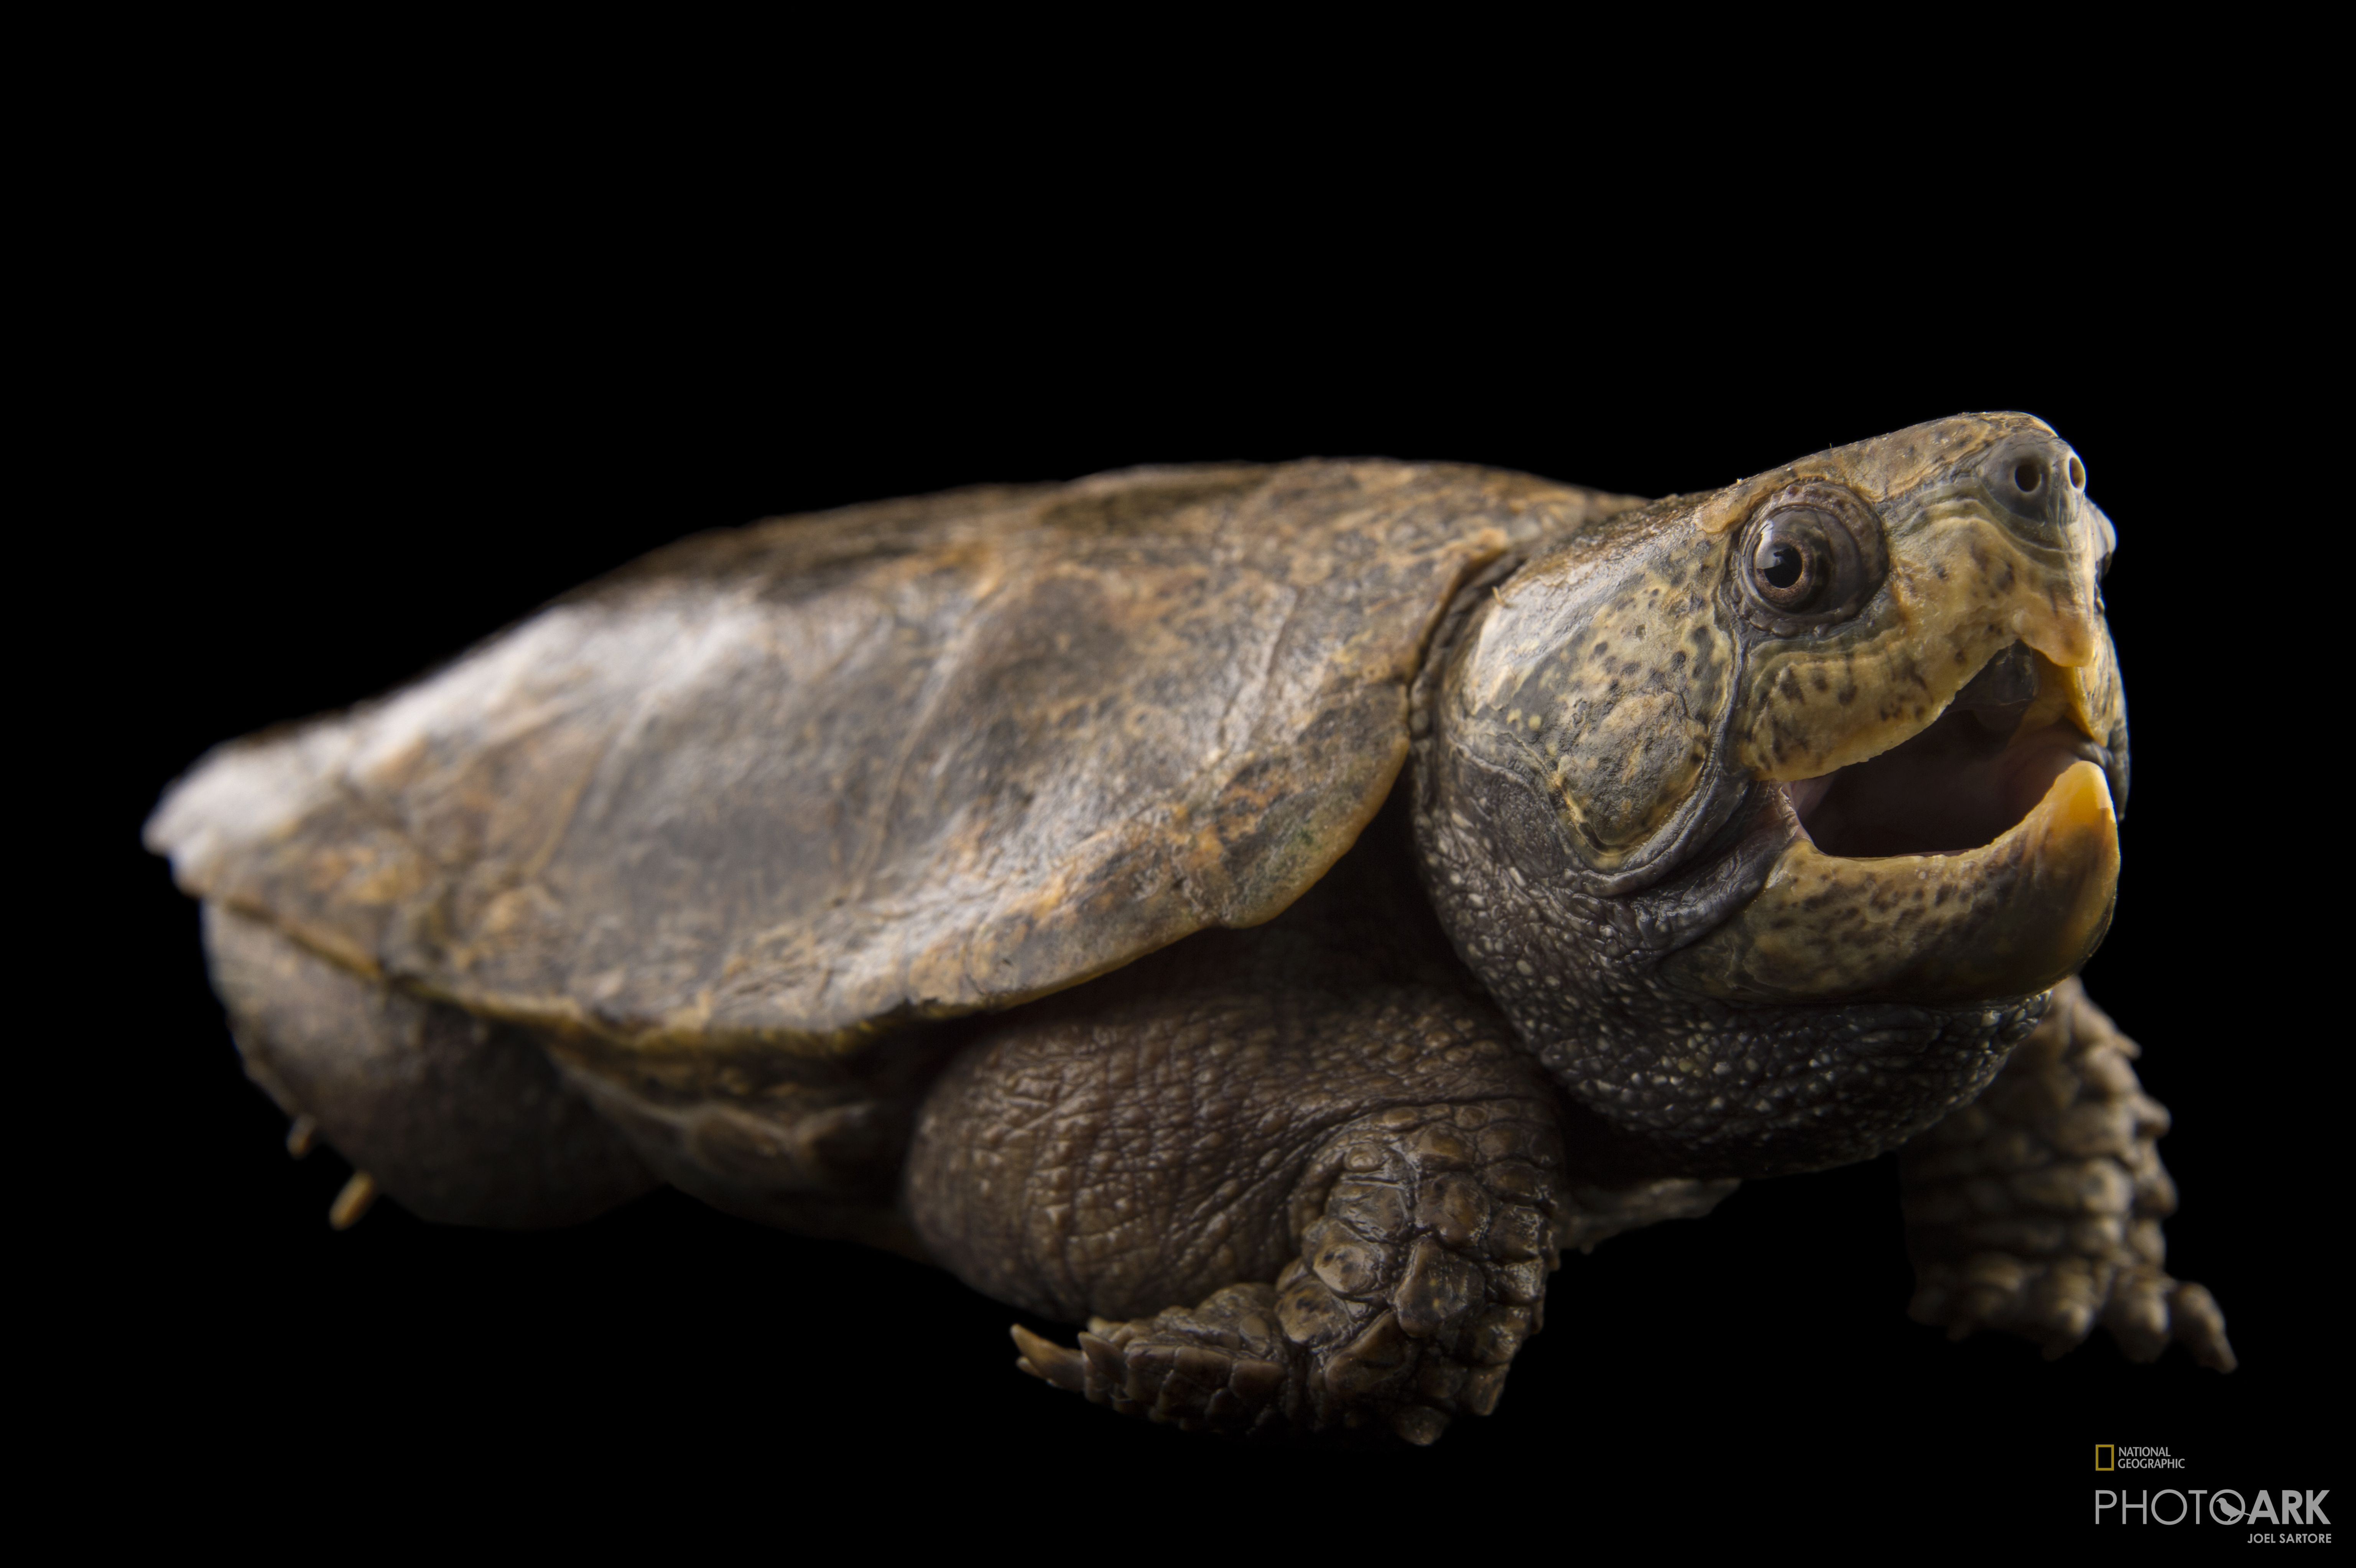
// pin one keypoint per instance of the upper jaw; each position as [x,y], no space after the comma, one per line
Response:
[1981,765]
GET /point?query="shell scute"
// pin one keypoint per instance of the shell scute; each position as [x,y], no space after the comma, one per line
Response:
[776,784]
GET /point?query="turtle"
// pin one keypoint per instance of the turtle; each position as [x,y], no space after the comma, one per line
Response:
[1263,914]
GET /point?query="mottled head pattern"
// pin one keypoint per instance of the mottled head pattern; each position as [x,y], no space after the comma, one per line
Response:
[1605,682]
[1770,815]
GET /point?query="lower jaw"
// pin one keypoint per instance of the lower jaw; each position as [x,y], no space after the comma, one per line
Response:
[2004,920]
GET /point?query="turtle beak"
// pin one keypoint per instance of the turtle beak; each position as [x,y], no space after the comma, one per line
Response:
[2043,486]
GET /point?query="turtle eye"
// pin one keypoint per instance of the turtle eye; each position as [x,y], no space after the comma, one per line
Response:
[1793,561]
[1813,556]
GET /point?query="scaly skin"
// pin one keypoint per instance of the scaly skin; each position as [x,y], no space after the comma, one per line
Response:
[1311,1131]
[1420,1276]
[2036,1209]
[1420,1279]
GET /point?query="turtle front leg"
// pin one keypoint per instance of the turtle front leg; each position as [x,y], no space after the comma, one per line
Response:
[1359,1195]
[2036,1209]
[1420,1276]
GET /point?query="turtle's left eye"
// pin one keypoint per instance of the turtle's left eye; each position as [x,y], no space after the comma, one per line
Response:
[1794,560]
[1813,556]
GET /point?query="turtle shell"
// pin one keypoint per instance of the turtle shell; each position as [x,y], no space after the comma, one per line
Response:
[782,783]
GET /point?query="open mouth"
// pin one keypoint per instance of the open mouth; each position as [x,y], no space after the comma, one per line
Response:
[1976,860]
[1974,775]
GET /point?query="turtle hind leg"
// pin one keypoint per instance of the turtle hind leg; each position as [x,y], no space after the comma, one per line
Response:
[458,1119]
[2036,1209]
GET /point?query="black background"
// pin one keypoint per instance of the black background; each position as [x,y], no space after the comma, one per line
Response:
[371,442]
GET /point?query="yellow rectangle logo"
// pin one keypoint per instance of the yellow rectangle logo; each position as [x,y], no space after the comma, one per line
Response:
[2103,1454]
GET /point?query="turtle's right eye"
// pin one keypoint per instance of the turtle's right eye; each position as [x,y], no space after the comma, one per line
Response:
[1813,557]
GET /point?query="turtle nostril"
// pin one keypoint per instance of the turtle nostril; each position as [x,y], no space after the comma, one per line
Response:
[2077,473]
[2028,477]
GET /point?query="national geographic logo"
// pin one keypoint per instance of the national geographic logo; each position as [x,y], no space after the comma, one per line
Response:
[2110,1457]
[2285,1509]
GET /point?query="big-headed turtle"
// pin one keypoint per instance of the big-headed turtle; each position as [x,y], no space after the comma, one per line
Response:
[1005,877]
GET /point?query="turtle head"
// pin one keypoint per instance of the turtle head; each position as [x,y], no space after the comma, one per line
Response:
[1771,815]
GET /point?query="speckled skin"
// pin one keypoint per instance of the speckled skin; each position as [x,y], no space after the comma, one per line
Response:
[1606,670]
[793,866]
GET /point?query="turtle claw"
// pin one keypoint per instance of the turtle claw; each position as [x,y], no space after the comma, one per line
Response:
[2198,1322]
[2150,1310]
[1419,1425]
[1107,1369]
[1222,1367]
[1050,1362]
[352,1202]
[301,1134]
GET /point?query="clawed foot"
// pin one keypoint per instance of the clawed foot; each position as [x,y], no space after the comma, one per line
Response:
[2036,1211]
[1413,1290]
[1228,1366]
[2058,1303]
[1221,1367]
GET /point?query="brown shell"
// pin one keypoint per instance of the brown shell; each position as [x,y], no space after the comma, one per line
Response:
[904,759]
